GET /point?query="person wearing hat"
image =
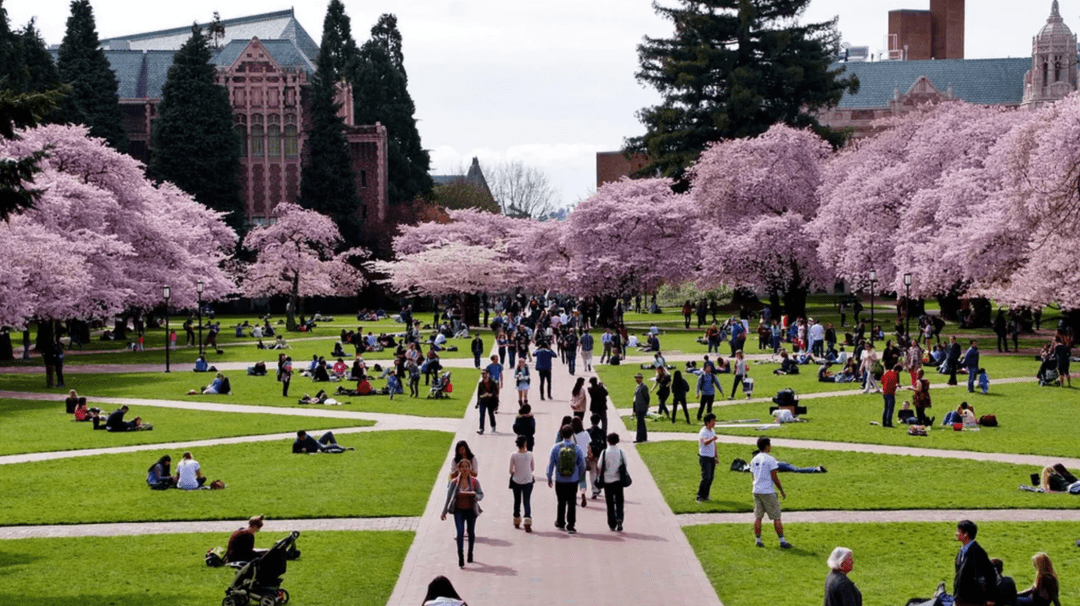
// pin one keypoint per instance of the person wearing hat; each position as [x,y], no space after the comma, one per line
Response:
[242,542]
[641,408]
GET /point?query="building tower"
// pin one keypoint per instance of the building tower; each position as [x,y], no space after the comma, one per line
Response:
[1053,63]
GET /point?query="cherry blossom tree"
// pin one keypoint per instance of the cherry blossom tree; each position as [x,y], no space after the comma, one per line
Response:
[296,256]
[102,238]
[755,198]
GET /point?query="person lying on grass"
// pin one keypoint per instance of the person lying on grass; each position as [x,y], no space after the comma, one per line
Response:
[783,466]
[220,385]
[115,422]
[309,445]
[320,398]
[1054,479]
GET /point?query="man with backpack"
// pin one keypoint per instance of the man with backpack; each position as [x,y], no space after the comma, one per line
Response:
[567,463]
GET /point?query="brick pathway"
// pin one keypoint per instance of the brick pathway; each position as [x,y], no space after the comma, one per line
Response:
[650,563]
[272,527]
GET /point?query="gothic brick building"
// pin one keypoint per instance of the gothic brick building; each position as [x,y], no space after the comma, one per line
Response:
[266,63]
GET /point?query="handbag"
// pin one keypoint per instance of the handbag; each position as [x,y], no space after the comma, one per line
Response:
[624,476]
[598,481]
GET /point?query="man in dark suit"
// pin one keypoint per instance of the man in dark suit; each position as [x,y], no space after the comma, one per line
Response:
[976,580]
[954,359]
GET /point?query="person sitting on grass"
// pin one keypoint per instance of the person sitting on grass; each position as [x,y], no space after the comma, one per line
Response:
[338,351]
[258,370]
[241,546]
[962,414]
[201,365]
[189,473]
[788,366]
[280,343]
[327,443]
[824,375]
[340,368]
[116,423]
[71,402]
[220,385]
[359,371]
[159,476]
[83,414]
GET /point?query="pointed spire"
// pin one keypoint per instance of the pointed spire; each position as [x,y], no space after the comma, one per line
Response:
[1055,13]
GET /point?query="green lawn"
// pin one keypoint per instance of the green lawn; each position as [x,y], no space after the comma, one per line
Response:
[893,562]
[250,390]
[34,426]
[881,482]
[1029,416]
[389,474]
[168,570]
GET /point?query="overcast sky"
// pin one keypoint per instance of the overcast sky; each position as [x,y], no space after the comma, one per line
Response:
[548,82]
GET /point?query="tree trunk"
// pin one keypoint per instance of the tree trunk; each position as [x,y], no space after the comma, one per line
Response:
[606,316]
[795,302]
[775,309]
[294,303]
[950,305]
[470,310]
[7,352]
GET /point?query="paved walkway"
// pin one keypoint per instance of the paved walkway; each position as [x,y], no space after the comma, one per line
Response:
[272,527]
[595,566]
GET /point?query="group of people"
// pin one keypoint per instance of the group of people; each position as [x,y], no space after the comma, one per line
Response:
[189,475]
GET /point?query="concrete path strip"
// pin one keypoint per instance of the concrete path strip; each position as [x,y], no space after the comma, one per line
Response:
[888,517]
[272,528]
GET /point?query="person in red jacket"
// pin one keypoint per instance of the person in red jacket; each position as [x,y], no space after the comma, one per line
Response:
[889,382]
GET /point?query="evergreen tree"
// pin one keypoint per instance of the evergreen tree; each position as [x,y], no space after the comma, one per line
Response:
[733,69]
[92,99]
[195,146]
[9,62]
[41,72]
[329,185]
[338,43]
[381,95]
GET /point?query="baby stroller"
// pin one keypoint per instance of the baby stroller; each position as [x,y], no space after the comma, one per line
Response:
[1049,376]
[259,581]
[441,387]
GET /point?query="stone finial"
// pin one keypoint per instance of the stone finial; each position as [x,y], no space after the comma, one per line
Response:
[1055,12]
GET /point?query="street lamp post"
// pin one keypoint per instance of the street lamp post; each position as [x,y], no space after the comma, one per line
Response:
[199,288]
[166,292]
[907,306]
[873,279]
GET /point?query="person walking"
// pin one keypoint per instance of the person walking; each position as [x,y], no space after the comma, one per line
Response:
[679,389]
[707,457]
[662,389]
[586,345]
[521,482]
[521,379]
[763,468]
[707,385]
[542,360]
[974,583]
[612,462]
[866,366]
[566,465]
[577,399]
[463,496]
[839,590]
[285,375]
[740,369]
[570,347]
[487,400]
[477,349]
[641,408]
[971,362]
[598,395]
[889,382]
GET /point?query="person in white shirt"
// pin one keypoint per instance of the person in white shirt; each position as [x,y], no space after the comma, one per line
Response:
[610,461]
[189,474]
[632,341]
[763,468]
[521,482]
[707,457]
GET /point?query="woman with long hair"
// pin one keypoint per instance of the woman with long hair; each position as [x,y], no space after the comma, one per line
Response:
[921,398]
[582,439]
[662,389]
[462,452]
[1044,591]
[159,476]
[441,592]
[463,497]
[577,399]
[740,369]
[521,376]
[521,482]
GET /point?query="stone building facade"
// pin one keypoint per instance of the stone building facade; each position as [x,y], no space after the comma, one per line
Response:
[266,63]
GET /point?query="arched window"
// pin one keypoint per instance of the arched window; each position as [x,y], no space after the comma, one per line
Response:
[257,141]
[1057,71]
[241,135]
[292,141]
[273,141]
[1045,73]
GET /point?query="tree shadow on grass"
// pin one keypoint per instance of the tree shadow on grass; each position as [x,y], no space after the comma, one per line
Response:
[127,599]
[16,559]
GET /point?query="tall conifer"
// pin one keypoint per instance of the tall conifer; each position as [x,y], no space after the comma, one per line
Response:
[93,99]
[381,94]
[329,185]
[195,146]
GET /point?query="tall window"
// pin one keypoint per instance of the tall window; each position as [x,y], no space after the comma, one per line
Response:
[241,134]
[273,141]
[292,141]
[257,141]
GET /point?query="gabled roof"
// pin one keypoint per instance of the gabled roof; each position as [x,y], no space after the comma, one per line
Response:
[285,52]
[139,75]
[281,25]
[979,81]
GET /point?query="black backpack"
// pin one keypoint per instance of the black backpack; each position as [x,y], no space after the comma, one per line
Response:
[785,397]
[597,441]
